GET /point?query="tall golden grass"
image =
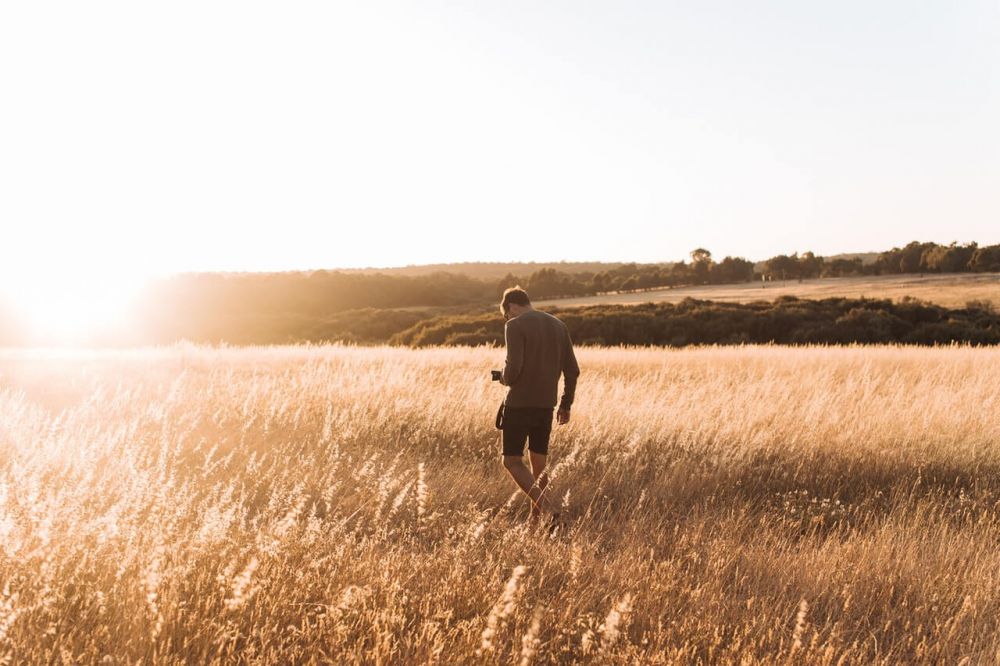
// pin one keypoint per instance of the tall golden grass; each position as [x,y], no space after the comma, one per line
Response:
[347,505]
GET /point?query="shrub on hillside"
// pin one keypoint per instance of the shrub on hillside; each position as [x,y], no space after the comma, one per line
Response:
[788,320]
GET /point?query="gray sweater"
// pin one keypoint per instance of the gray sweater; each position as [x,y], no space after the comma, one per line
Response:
[538,351]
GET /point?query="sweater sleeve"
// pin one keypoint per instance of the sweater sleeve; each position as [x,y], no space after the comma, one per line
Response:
[570,370]
[514,340]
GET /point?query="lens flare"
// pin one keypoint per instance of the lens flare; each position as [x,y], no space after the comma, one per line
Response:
[60,308]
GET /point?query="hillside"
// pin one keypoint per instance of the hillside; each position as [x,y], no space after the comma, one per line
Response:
[496,270]
[692,322]
[486,270]
[951,290]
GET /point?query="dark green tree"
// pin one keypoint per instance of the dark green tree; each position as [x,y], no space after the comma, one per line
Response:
[701,264]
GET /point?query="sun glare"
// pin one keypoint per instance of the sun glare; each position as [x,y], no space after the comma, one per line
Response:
[60,309]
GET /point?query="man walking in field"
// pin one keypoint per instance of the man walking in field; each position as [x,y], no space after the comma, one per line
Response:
[539,349]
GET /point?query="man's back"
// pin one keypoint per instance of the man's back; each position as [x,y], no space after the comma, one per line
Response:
[539,349]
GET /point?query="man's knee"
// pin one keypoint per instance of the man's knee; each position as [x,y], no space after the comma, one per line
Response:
[511,463]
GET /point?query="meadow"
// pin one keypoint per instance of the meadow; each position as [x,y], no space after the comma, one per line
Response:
[953,290]
[334,504]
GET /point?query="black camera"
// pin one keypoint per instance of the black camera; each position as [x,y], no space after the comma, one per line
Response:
[496,374]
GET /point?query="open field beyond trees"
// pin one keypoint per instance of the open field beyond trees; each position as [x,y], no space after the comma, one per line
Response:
[951,290]
[347,505]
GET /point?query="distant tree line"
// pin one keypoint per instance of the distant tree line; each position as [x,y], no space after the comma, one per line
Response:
[491,271]
[701,270]
[915,257]
[252,307]
[919,257]
[788,320]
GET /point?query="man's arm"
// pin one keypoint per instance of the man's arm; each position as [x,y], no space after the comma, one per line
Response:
[571,370]
[515,354]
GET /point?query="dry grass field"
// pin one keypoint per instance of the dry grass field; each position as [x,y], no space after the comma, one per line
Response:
[951,290]
[347,505]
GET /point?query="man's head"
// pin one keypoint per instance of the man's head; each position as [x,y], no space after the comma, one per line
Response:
[515,301]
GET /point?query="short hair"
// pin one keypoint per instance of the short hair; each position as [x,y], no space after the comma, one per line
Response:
[515,295]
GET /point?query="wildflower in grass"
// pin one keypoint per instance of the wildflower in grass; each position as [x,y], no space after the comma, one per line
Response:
[575,558]
[243,588]
[616,618]
[8,611]
[398,502]
[501,609]
[800,625]
[291,517]
[423,495]
[350,597]
[152,578]
[475,530]
[530,642]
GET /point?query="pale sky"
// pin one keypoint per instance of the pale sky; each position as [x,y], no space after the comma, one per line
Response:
[139,138]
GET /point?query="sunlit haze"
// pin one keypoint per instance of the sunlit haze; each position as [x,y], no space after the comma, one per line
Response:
[146,138]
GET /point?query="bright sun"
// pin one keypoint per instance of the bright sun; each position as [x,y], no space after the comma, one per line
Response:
[62,309]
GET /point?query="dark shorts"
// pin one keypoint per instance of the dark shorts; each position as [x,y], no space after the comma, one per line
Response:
[531,424]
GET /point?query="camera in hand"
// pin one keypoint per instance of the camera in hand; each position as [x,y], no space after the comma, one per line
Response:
[496,374]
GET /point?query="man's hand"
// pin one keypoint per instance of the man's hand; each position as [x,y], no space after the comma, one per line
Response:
[562,416]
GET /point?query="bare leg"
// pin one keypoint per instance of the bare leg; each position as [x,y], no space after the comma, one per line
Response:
[541,478]
[526,482]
